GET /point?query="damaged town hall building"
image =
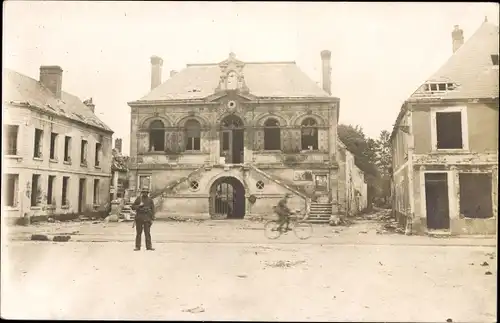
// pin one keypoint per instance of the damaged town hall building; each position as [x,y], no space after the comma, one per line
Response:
[445,143]
[229,139]
[56,151]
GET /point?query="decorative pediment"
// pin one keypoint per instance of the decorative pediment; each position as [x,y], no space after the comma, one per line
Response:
[231,75]
[222,96]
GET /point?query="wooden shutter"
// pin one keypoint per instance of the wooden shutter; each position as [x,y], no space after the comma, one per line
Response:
[181,136]
[142,142]
[286,139]
[296,139]
[259,139]
[323,139]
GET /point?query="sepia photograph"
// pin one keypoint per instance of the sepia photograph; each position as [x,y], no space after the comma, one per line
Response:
[250,161]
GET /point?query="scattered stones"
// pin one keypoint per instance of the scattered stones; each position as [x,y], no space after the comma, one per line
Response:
[363,231]
[485,264]
[449,320]
[39,237]
[195,310]
[112,218]
[61,238]
[284,264]
[242,276]
[380,263]
[488,273]
[472,264]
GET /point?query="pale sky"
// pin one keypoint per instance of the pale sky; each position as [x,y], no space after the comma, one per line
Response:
[381,52]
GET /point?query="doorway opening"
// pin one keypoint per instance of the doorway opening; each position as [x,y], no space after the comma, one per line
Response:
[227,199]
[81,195]
[232,139]
[437,202]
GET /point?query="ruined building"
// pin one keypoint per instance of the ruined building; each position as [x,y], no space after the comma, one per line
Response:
[56,151]
[119,172]
[445,143]
[230,139]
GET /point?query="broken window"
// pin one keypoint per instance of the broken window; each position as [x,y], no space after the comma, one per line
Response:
[156,136]
[225,140]
[475,195]
[53,145]
[11,189]
[83,152]
[50,189]
[97,160]
[272,135]
[64,195]
[193,133]
[67,149]
[439,87]
[37,149]
[96,191]
[494,59]
[449,130]
[36,192]
[10,140]
[309,134]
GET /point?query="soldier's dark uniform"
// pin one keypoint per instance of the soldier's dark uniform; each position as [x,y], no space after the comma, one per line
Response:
[145,215]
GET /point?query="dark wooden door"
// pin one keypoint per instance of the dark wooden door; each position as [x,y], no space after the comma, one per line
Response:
[437,202]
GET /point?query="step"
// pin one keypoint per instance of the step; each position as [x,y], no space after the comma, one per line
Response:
[318,220]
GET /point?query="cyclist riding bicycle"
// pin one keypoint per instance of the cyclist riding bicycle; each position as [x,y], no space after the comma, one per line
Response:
[283,212]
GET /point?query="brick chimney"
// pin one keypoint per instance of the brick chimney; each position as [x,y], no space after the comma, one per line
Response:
[326,56]
[457,36]
[90,104]
[172,73]
[156,64]
[51,78]
[118,144]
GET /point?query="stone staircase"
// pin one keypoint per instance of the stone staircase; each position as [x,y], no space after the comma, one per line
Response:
[320,212]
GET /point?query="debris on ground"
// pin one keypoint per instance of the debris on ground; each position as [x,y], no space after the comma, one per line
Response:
[183,219]
[488,273]
[61,238]
[363,231]
[39,237]
[111,218]
[449,320]
[195,310]
[485,264]
[472,264]
[284,264]
[242,276]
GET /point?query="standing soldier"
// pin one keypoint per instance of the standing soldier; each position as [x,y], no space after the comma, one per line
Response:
[145,214]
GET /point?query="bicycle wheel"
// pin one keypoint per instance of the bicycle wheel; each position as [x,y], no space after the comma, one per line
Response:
[303,230]
[271,230]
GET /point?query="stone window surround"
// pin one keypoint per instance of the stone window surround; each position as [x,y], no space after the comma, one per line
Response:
[465,128]
[453,184]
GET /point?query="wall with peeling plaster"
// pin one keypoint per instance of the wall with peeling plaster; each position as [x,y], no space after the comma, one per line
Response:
[25,165]
[482,128]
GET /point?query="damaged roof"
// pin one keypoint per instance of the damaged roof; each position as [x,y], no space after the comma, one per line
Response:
[470,68]
[19,88]
[265,79]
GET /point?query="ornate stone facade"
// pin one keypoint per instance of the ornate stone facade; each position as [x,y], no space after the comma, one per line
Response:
[232,132]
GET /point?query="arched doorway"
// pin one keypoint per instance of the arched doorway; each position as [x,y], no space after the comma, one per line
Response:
[227,199]
[232,139]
